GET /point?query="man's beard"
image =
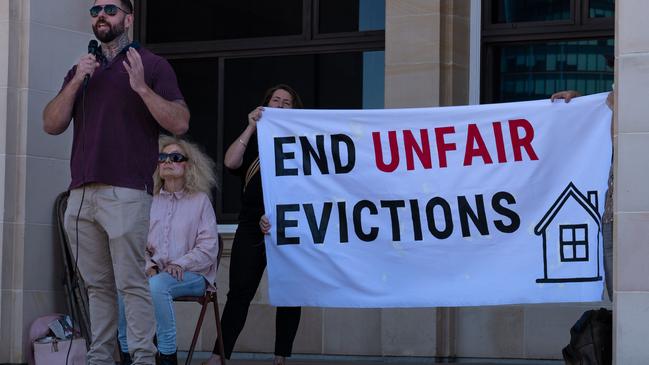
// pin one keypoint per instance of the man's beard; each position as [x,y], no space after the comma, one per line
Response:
[110,34]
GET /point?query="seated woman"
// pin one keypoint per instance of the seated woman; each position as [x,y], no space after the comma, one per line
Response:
[182,245]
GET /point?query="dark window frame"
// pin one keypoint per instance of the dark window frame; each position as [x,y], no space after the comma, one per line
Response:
[579,27]
[574,243]
[336,35]
[496,28]
[309,42]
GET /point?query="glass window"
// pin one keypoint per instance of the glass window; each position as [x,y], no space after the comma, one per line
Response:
[238,62]
[337,16]
[374,80]
[536,70]
[198,81]
[215,20]
[350,80]
[601,8]
[515,11]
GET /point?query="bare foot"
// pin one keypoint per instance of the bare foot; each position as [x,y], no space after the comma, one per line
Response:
[213,360]
[279,360]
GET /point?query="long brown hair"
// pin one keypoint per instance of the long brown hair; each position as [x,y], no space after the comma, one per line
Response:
[297,102]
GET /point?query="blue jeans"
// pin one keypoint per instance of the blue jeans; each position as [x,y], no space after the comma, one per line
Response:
[164,288]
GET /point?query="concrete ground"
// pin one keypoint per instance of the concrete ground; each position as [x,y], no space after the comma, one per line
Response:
[266,359]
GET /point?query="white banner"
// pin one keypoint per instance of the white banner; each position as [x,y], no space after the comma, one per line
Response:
[455,206]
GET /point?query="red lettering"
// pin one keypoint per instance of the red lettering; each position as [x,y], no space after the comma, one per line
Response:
[378,151]
[500,144]
[473,136]
[522,142]
[442,146]
[423,151]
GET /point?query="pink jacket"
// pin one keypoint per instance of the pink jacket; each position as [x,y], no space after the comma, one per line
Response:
[183,231]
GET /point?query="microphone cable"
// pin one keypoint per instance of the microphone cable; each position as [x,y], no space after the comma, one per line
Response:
[75,268]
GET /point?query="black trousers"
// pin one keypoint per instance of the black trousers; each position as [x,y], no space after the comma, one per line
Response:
[247,265]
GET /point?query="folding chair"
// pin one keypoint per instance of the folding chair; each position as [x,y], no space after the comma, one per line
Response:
[204,300]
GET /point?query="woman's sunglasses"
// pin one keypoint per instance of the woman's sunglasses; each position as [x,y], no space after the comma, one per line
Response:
[109,9]
[173,157]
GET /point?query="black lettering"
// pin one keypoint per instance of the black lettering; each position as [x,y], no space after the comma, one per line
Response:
[416,219]
[342,222]
[479,220]
[308,152]
[394,216]
[318,231]
[336,140]
[280,156]
[358,227]
[432,227]
[513,217]
[283,223]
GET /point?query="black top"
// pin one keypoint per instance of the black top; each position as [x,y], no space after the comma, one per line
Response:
[252,199]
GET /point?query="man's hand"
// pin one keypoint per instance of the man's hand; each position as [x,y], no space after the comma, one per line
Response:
[57,114]
[135,70]
[565,95]
[175,270]
[86,66]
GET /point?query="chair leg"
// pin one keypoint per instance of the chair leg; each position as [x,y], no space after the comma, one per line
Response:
[197,331]
[219,334]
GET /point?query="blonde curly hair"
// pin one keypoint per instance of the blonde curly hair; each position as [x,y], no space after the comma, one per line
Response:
[199,170]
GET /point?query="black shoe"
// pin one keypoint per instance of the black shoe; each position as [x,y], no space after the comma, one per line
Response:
[171,359]
[126,358]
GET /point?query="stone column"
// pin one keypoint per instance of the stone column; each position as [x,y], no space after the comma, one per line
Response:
[426,53]
[39,41]
[631,227]
[454,52]
[412,53]
[426,64]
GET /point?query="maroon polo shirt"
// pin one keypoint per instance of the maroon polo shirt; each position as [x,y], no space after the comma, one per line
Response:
[115,138]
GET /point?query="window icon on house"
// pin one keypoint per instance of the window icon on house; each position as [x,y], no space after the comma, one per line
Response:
[571,238]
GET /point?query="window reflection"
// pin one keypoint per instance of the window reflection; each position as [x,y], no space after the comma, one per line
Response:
[536,70]
[601,8]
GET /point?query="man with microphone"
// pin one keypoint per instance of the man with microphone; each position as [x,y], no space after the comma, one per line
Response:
[129,93]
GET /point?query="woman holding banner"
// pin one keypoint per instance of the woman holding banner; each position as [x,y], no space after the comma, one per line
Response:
[607,217]
[248,259]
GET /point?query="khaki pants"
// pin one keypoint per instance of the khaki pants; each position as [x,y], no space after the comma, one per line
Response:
[112,228]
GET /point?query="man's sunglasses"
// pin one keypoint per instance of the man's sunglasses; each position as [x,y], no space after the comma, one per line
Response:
[109,9]
[173,157]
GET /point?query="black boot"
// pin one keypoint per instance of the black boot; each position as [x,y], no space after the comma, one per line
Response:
[171,359]
[126,358]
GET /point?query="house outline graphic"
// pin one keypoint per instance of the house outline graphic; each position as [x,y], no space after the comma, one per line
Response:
[591,210]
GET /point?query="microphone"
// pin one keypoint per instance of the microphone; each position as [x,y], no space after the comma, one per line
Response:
[93,48]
